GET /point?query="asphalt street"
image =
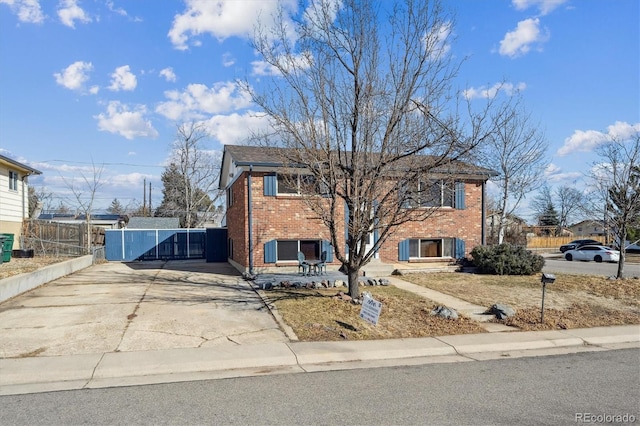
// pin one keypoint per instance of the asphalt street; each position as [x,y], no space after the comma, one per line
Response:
[564,389]
[590,268]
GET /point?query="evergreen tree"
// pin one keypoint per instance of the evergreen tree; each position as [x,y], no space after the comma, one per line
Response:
[116,207]
[176,188]
[549,218]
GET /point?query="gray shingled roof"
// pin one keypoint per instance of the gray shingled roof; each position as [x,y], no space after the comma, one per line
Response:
[154,223]
[244,155]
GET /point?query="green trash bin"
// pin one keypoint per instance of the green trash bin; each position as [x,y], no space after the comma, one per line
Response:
[7,247]
[1,249]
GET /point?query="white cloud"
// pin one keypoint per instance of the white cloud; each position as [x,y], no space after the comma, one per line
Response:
[128,180]
[621,130]
[228,60]
[544,6]
[168,74]
[587,141]
[75,76]
[198,99]
[27,10]
[553,173]
[437,41]
[123,79]
[235,128]
[222,19]
[69,12]
[519,41]
[121,120]
[120,11]
[483,92]
[288,62]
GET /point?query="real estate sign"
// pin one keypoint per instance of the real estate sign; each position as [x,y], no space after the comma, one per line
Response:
[370,311]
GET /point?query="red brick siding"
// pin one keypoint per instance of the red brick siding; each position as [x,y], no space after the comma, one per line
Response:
[287,217]
[465,224]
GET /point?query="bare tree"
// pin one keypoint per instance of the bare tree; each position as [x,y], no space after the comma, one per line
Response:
[517,151]
[615,189]
[84,193]
[190,180]
[570,202]
[362,98]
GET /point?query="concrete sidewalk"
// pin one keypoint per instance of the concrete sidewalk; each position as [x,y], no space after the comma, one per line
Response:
[109,369]
[121,325]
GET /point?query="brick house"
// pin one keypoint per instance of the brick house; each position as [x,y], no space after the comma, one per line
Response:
[268,223]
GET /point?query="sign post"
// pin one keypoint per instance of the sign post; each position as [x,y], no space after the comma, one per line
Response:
[546,279]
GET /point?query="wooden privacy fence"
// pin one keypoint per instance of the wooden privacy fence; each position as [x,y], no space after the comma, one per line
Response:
[547,242]
[59,239]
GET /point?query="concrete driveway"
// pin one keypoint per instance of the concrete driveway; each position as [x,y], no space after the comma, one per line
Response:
[137,306]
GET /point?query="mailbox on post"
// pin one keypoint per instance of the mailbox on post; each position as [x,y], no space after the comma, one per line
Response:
[546,279]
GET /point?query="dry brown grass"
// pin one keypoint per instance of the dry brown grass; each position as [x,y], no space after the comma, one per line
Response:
[315,315]
[573,301]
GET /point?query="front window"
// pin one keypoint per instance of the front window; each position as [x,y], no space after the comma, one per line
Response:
[288,249]
[420,248]
[13,180]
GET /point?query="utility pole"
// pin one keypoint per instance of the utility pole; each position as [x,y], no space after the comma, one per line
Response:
[144,198]
[150,211]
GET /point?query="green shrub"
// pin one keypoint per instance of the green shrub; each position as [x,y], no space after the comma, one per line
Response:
[505,259]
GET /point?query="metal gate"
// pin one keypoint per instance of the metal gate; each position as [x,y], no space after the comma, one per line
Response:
[217,245]
[154,244]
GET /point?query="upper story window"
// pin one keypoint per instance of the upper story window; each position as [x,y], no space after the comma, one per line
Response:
[13,180]
[229,197]
[431,193]
[295,184]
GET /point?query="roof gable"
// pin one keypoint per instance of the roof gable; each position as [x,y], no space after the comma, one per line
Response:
[8,162]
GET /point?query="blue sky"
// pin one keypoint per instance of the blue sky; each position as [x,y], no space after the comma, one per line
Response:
[105,82]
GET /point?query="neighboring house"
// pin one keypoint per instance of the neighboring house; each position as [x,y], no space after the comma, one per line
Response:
[14,196]
[514,226]
[268,223]
[106,221]
[588,228]
[154,223]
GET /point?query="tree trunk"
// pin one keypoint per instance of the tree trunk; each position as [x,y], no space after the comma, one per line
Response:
[354,285]
[623,238]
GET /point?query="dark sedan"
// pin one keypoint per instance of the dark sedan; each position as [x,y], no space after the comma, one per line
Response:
[578,243]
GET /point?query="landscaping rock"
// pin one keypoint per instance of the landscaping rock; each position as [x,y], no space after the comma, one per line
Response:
[340,283]
[501,311]
[384,281]
[371,281]
[444,312]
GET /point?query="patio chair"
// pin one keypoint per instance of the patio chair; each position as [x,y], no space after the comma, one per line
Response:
[321,267]
[302,264]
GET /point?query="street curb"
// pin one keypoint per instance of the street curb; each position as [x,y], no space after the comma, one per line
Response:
[43,374]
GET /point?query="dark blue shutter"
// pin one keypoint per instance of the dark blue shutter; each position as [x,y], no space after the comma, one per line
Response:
[459,195]
[270,251]
[460,249]
[326,246]
[403,250]
[270,185]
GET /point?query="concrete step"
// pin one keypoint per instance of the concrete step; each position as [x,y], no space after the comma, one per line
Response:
[376,268]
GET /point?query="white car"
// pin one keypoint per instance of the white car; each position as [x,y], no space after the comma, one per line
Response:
[591,252]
